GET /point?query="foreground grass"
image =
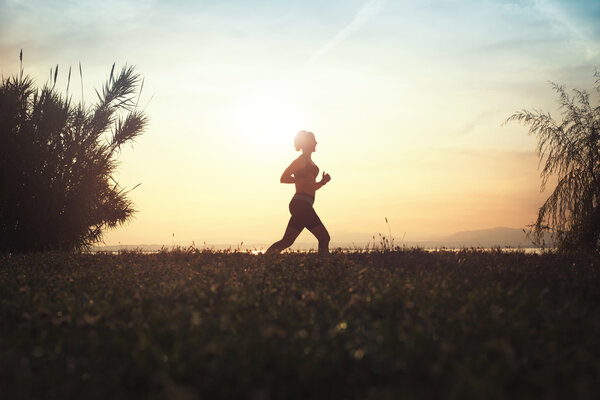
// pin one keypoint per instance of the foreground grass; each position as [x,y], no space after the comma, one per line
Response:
[378,325]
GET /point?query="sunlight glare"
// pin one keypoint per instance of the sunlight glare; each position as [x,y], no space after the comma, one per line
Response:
[264,120]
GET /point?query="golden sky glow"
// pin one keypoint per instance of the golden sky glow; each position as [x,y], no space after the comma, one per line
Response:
[406,100]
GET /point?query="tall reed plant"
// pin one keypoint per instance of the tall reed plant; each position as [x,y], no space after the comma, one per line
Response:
[58,161]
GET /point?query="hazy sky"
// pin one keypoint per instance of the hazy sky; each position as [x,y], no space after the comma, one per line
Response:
[406,99]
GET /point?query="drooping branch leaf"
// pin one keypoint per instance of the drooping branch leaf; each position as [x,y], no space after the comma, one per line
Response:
[569,150]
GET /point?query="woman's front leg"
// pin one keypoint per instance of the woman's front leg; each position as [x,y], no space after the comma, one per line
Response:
[323,237]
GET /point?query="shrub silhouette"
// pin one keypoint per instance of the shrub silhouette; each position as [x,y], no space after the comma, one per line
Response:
[569,150]
[57,161]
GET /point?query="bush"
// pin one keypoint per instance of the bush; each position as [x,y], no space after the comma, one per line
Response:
[57,161]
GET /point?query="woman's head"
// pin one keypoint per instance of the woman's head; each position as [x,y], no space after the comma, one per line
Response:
[305,140]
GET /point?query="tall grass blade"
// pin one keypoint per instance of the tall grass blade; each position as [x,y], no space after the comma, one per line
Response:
[81,80]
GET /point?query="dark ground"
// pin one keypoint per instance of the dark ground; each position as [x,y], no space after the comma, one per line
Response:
[405,324]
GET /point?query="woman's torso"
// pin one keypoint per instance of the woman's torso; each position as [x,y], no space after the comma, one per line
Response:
[306,177]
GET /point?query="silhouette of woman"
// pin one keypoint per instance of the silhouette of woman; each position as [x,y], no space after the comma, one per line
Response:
[303,173]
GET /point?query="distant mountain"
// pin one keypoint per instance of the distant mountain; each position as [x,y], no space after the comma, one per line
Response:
[484,238]
[500,236]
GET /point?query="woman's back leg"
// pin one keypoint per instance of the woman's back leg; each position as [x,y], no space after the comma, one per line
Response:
[288,239]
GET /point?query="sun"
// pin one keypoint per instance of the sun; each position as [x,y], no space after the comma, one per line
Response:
[264,120]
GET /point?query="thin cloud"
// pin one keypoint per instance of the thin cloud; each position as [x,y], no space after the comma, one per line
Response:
[362,17]
[563,21]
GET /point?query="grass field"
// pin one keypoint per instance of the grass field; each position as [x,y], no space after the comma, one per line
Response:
[395,324]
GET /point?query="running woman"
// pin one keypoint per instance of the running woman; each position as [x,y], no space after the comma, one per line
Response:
[303,173]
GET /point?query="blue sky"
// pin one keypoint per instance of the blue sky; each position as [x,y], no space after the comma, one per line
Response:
[538,28]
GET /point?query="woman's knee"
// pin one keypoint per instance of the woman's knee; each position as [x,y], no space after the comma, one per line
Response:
[324,237]
[321,234]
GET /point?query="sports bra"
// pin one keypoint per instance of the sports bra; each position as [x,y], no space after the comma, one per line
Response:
[309,170]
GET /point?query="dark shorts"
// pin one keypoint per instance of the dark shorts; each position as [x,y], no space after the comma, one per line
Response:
[303,215]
